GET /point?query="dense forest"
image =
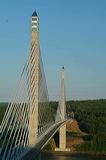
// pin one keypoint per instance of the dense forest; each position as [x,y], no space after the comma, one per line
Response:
[91,117]
[3,107]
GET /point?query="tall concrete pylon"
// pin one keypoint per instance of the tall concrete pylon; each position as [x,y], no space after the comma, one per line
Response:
[34,80]
[63,96]
[62,131]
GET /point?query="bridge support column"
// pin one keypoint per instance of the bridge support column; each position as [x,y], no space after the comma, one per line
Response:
[62,140]
[34,83]
[62,131]
[62,137]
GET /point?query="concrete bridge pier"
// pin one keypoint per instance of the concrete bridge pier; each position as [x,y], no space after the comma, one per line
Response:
[34,81]
[62,131]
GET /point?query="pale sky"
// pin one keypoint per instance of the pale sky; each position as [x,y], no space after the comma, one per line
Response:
[72,33]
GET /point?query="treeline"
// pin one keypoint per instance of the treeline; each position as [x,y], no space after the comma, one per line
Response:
[91,116]
[3,107]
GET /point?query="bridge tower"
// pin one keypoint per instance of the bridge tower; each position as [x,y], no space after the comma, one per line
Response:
[34,80]
[62,105]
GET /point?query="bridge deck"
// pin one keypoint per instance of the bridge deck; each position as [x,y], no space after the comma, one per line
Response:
[33,153]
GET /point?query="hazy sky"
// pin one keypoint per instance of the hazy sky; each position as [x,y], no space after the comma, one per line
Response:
[72,33]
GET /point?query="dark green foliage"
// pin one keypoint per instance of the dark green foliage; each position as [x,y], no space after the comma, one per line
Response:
[91,116]
[53,106]
[88,137]
[74,134]
[98,144]
[3,107]
[48,147]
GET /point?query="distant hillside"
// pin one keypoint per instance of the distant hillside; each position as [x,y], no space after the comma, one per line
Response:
[3,107]
[91,118]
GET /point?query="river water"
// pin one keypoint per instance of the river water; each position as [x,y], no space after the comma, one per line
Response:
[48,156]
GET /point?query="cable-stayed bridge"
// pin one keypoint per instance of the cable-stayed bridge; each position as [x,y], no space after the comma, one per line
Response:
[29,121]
